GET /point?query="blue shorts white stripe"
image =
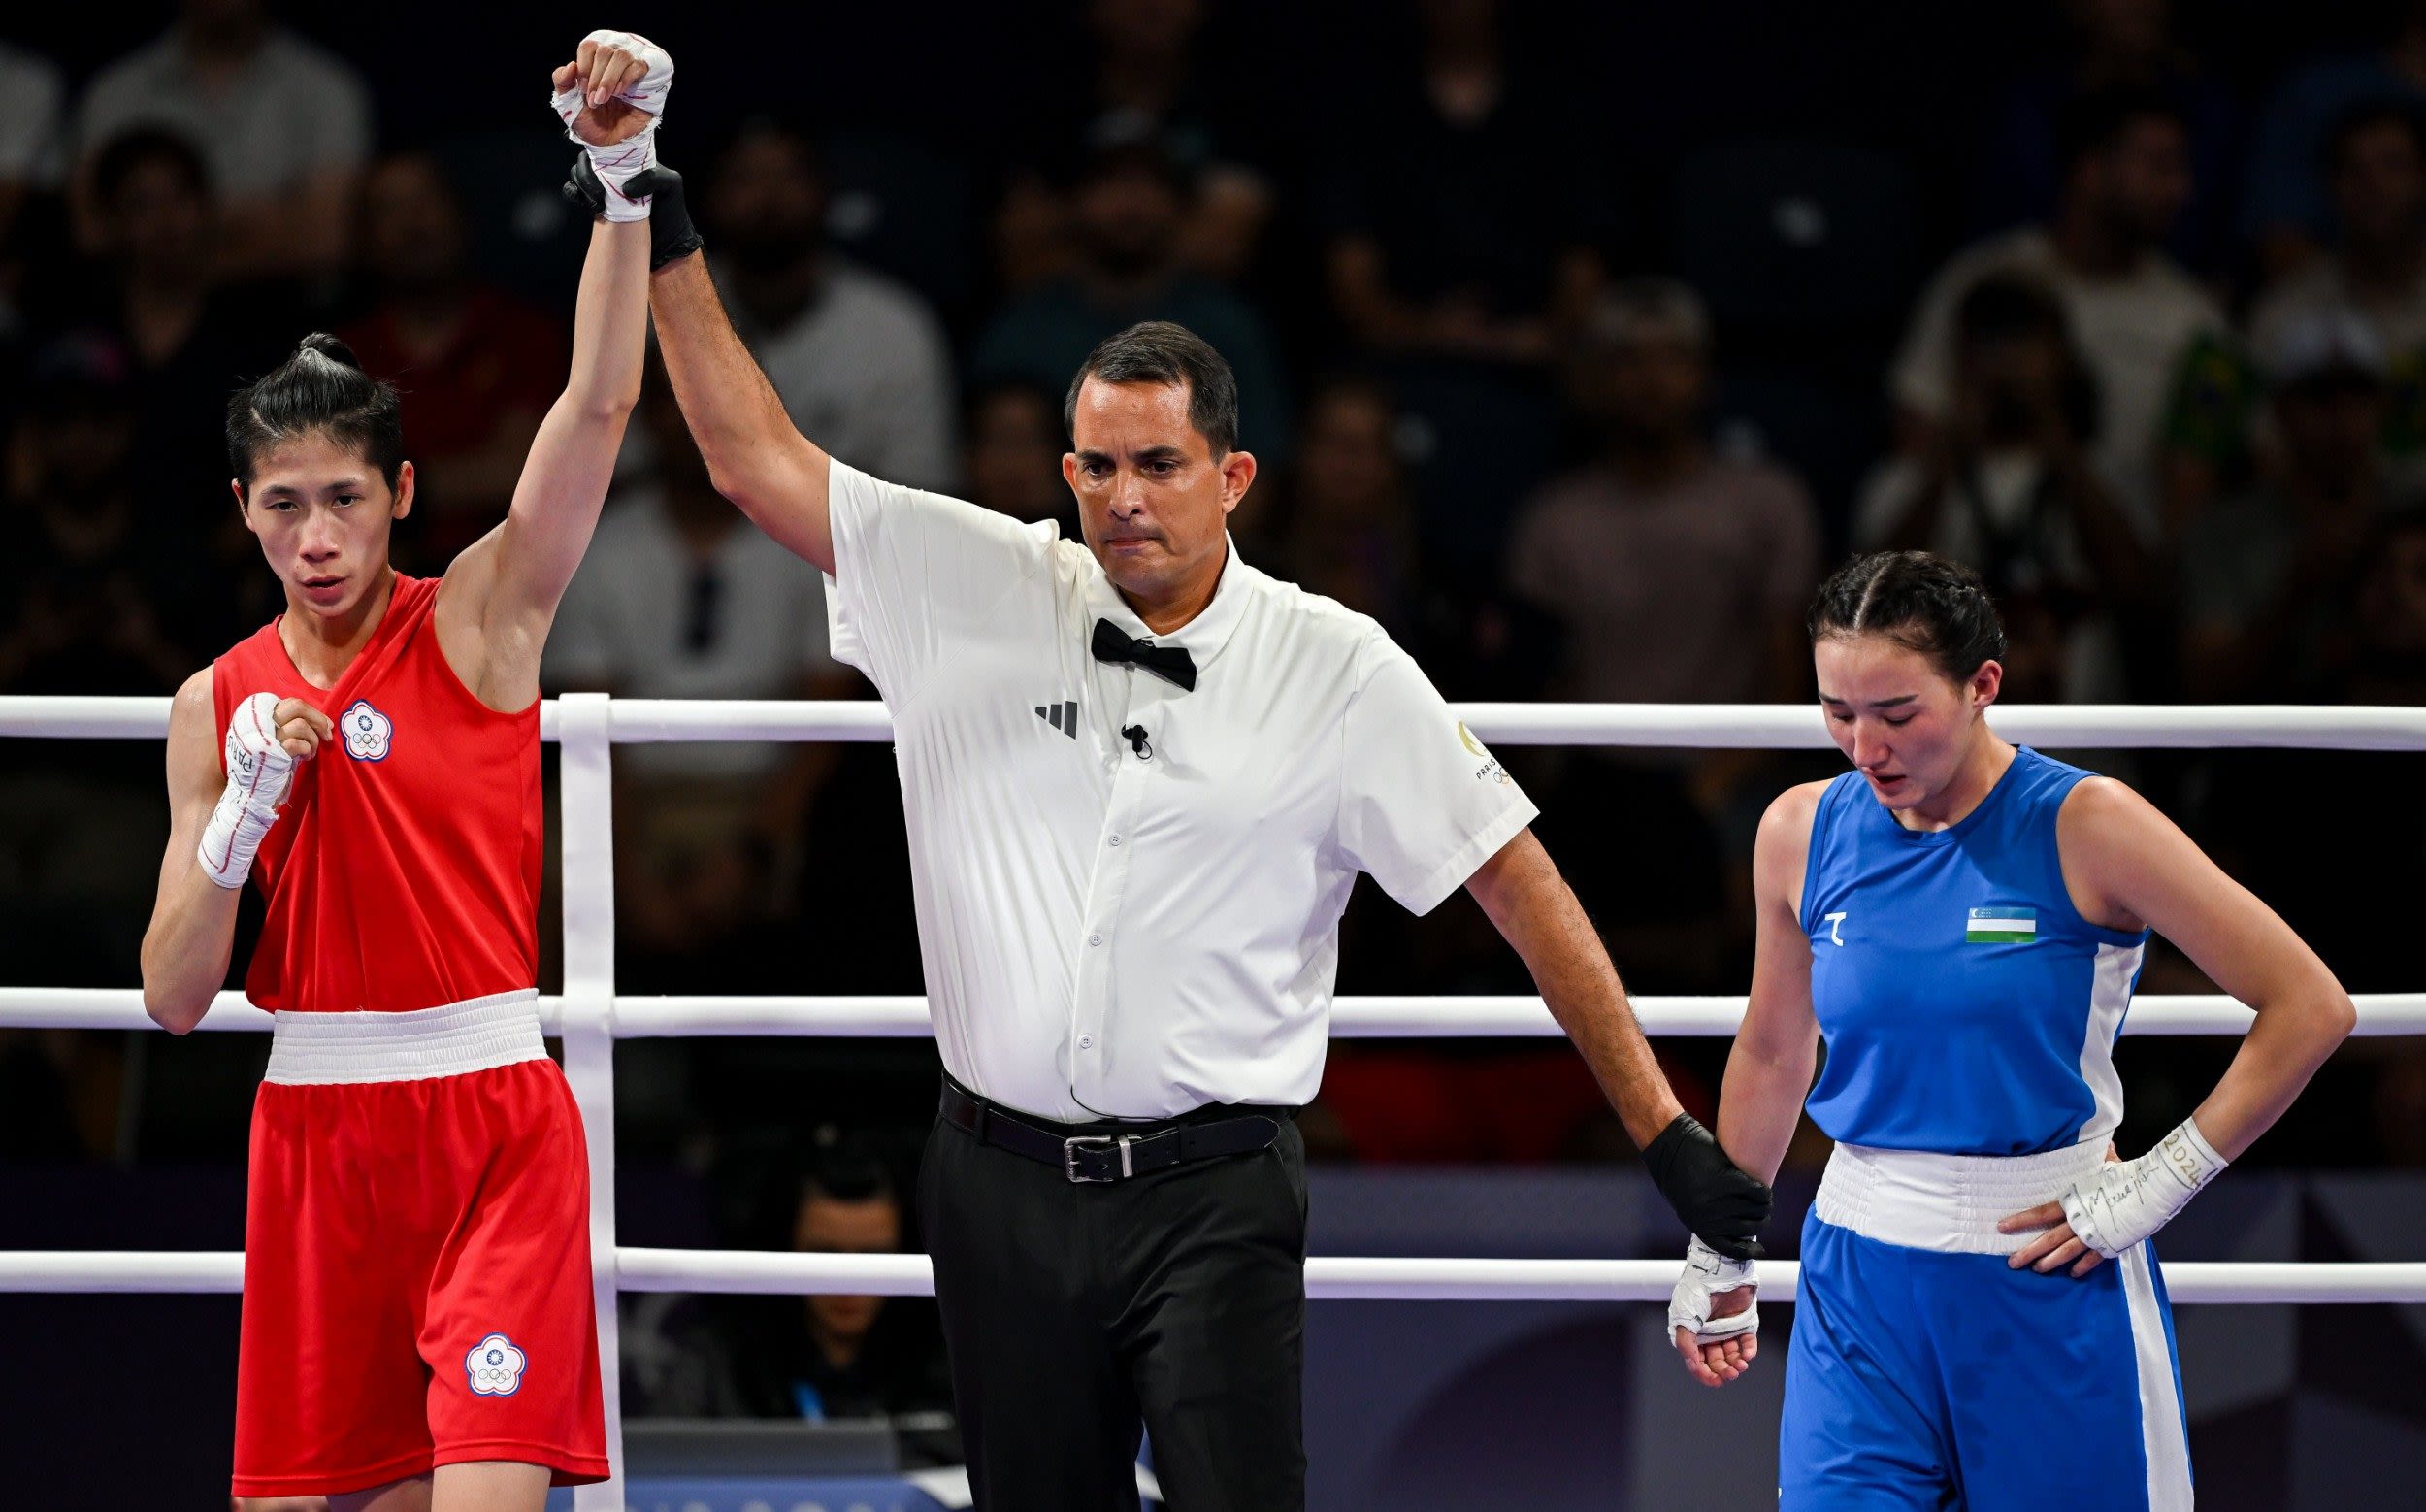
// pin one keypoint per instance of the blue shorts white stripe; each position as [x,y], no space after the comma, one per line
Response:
[1931,1379]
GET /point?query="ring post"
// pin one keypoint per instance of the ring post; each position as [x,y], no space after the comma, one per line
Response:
[584,741]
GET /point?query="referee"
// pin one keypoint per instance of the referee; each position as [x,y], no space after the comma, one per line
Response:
[1140,777]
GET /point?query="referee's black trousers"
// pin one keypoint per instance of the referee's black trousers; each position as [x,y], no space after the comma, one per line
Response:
[1073,1314]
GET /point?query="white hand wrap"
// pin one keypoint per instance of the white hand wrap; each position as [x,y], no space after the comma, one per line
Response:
[617,163]
[1707,1272]
[259,771]
[2127,1201]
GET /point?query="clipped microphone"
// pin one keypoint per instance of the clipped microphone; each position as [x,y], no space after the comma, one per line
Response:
[1136,735]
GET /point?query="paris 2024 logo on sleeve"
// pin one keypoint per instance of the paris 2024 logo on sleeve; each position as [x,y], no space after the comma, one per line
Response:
[494,1367]
[366,730]
[1490,770]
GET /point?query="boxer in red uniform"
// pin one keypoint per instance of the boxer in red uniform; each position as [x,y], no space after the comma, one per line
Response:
[418,1317]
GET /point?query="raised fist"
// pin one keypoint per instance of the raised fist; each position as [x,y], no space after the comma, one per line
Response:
[266,735]
[614,89]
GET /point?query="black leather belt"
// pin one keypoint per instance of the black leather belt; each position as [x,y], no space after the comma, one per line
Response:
[1108,1157]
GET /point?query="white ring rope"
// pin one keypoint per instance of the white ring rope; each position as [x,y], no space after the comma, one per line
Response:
[887,1017]
[1328,1279]
[1691,726]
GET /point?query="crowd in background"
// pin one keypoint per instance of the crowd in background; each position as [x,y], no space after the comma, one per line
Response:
[2139,332]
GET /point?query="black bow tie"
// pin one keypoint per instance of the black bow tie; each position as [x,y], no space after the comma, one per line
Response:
[1171,662]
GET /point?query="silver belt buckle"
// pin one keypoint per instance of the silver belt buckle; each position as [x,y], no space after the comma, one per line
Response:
[1073,1144]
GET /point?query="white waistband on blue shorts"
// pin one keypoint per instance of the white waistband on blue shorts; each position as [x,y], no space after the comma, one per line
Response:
[476,1034]
[1925,1200]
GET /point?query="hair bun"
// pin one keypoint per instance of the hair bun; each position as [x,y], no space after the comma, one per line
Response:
[331,347]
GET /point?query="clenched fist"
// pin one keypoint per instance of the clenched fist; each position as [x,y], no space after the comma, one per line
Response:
[296,726]
[266,737]
[617,86]
[611,98]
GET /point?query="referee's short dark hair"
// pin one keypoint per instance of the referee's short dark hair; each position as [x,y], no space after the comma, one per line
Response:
[1159,351]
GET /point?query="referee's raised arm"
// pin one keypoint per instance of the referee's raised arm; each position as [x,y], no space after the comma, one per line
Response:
[754,455]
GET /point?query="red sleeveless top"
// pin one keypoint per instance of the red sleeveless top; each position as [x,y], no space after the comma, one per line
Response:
[404,871]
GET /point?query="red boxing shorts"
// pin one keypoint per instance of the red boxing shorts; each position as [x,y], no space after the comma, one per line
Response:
[416,1255]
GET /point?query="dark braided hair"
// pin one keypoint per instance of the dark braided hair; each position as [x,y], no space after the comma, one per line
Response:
[1920,600]
[320,388]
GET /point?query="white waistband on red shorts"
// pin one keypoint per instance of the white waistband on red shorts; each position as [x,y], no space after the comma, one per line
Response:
[1925,1200]
[476,1034]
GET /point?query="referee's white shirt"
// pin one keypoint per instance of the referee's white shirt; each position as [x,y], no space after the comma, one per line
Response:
[1113,935]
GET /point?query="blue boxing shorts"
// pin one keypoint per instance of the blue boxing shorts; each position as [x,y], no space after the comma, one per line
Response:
[1925,1374]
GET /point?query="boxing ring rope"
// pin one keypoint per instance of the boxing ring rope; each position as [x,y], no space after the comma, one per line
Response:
[589,1017]
[2388,1014]
[1690,726]
[1327,1277]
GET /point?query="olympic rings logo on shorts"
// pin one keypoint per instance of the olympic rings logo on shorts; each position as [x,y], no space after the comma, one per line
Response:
[494,1367]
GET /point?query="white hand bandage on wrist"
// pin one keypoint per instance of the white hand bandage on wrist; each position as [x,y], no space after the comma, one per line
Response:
[1707,1272]
[2129,1201]
[259,771]
[617,163]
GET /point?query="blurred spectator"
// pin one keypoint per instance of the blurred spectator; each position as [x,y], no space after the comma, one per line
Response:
[30,95]
[2377,173]
[2007,483]
[1148,72]
[1131,202]
[2377,266]
[2115,45]
[845,1357]
[287,126]
[2365,644]
[820,1358]
[2363,636]
[153,209]
[1461,224]
[859,360]
[91,589]
[1660,542]
[94,577]
[1676,574]
[1011,456]
[1463,217]
[2386,655]
[2285,206]
[681,597]
[1346,527]
[188,339]
[2265,576]
[2137,320]
[477,369]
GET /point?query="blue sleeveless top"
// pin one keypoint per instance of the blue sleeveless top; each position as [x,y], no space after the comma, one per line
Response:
[1967,1005]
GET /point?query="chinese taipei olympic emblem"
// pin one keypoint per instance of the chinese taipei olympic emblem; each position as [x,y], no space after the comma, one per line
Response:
[366,730]
[494,1367]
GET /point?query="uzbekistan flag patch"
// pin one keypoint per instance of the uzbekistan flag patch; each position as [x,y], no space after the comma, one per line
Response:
[2001,926]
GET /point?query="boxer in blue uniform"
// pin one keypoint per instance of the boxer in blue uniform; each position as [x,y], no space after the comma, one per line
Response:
[1962,921]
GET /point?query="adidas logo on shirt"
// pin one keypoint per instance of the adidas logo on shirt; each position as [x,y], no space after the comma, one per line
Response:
[1061,717]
